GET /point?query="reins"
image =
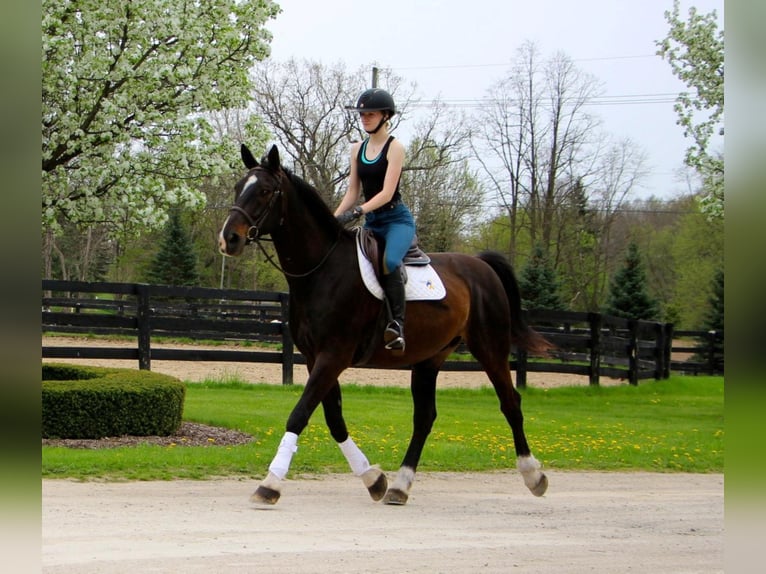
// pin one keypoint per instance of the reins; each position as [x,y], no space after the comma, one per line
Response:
[298,275]
[252,235]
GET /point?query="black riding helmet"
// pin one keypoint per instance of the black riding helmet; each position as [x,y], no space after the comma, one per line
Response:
[375,100]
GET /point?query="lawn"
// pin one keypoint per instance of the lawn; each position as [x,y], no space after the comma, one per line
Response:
[674,425]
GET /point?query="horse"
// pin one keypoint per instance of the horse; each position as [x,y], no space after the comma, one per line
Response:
[337,323]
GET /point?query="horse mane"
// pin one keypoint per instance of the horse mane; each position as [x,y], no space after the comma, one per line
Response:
[313,202]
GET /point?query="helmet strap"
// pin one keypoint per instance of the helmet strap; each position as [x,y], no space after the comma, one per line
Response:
[380,125]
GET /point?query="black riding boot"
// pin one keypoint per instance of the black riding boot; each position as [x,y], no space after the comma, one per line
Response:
[393,287]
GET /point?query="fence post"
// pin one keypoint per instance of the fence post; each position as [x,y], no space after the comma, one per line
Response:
[711,336]
[521,359]
[521,368]
[668,350]
[143,313]
[594,320]
[659,350]
[633,352]
[288,348]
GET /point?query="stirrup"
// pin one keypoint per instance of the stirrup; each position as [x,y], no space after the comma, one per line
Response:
[393,337]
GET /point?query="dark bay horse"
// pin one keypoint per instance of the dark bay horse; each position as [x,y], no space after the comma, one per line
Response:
[337,323]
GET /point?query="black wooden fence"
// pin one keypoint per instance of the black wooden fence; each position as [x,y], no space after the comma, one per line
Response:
[587,344]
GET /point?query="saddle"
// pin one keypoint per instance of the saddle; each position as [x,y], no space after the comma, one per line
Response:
[371,250]
[422,282]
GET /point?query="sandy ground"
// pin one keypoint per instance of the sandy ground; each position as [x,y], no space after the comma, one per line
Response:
[272,373]
[453,523]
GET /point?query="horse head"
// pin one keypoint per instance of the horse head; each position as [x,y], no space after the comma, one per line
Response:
[257,206]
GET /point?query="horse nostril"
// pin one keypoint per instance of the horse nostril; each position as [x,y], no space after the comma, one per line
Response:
[227,242]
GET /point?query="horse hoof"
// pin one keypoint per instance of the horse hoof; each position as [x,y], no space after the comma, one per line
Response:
[378,489]
[541,486]
[265,495]
[396,497]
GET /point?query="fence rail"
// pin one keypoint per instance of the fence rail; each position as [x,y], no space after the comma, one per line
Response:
[587,344]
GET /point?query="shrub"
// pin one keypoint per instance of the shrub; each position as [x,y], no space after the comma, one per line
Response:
[95,402]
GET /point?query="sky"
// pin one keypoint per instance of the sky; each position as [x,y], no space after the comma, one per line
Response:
[456,49]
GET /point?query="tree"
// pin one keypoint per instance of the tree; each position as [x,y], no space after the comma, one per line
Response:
[440,187]
[531,140]
[714,314]
[175,263]
[303,103]
[628,296]
[538,283]
[77,254]
[695,51]
[124,91]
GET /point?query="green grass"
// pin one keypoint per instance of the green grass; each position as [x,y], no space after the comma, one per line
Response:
[664,426]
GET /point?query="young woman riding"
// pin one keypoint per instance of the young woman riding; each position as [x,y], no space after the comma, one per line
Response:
[375,171]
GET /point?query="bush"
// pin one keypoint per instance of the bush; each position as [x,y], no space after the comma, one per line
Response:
[95,402]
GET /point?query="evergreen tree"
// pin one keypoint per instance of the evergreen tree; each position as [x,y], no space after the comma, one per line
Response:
[714,322]
[176,262]
[714,315]
[538,283]
[628,296]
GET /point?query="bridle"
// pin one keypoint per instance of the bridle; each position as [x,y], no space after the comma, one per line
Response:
[253,233]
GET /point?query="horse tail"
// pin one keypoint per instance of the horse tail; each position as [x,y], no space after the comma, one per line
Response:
[522,335]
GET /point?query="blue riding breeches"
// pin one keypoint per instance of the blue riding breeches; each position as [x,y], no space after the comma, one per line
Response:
[396,227]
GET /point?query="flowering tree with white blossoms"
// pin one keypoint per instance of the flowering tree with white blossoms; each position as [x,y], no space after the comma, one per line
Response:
[695,50]
[125,89]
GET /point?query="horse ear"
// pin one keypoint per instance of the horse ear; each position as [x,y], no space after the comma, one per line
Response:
[274,158]
[247,157]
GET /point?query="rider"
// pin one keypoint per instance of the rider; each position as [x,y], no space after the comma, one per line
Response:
[375,170]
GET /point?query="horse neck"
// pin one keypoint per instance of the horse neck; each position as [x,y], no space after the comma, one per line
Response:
[304,241]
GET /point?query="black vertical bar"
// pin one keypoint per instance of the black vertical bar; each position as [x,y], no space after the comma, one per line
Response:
[521,368]
[594,320]
[668,350]
[521,361]
[711,353]
[633,352]
[659,350]
[144,328]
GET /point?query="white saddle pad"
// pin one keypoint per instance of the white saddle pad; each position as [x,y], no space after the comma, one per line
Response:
[423,283]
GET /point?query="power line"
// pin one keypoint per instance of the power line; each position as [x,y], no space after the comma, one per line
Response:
[618,100]
[506,64]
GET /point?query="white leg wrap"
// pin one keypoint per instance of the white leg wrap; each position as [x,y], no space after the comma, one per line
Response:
[281,463]
[355,457]
[529,467]
[404,479]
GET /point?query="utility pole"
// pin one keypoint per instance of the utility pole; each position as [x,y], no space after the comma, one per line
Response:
[374,76]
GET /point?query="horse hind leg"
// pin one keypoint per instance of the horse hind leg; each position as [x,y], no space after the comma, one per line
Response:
[510,405]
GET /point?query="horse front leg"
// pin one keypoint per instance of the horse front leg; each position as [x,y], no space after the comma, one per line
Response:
[423,388]
[320,381]
[372,477]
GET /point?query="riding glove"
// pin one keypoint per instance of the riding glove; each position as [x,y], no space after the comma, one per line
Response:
[350,215]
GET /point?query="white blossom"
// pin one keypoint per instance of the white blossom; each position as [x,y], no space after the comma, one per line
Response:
[124,89]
